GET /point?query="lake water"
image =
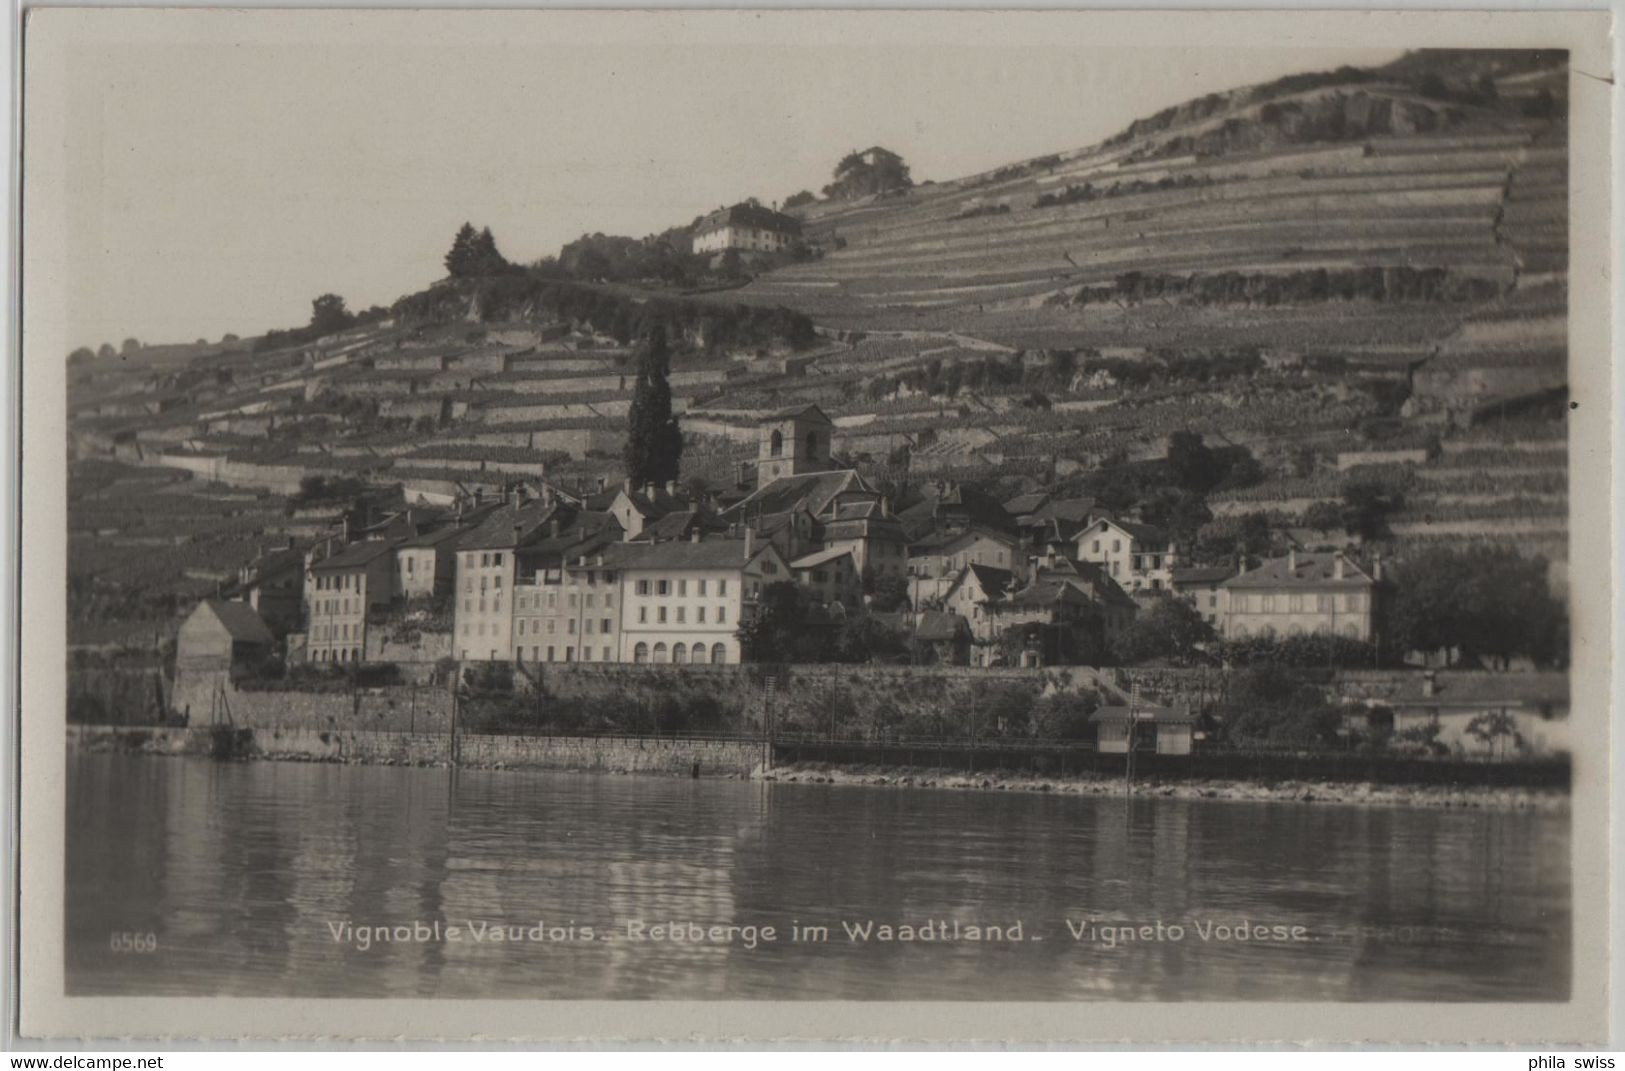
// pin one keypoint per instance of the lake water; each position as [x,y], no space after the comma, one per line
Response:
[246,874]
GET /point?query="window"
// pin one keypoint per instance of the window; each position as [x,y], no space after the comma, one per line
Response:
[586,653]
[702,588]
[769,568]
[587,628]
[609,599]
[699,615]
[679,654]
[496,582]
[496,559]
[571,627]
[640,653]
[605,625]
[485,559]
[775,444]
[592,600]
[719,654]
[661,615]
[572,600]
[643,615]
[722,615]
[680,615]
[641,587]
[662,587]
[607,656]
[1117,545]
[550,654]
[682,587]
[550,624]
[722,587]
[660,653]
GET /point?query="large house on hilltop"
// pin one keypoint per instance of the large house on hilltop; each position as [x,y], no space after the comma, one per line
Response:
[747,227]
[1300,594]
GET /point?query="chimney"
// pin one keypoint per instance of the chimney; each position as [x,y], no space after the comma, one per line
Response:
[518,528]
[1376,568]
[553,528]
[750,542]
[1337,566]
[626,485]
[600,483]
[1292,561]
[694,536]
[600,559]
[671,488]
[1430,684]
[513,498]
[649,489]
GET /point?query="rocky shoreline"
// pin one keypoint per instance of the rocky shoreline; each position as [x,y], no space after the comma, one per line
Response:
[1545,801]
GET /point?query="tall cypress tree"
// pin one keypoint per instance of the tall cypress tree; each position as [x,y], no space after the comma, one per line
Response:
[654,443]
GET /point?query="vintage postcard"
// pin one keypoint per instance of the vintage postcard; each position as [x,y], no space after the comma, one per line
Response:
[1004,526]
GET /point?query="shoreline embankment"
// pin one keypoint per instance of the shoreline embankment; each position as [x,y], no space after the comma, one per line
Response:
[747,760]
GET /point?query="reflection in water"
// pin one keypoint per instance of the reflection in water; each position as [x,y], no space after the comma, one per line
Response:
[244,870]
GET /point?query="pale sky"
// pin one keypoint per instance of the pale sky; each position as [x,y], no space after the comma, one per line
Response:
[219,185]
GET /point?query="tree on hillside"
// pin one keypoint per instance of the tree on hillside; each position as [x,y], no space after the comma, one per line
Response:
[328,314]
[1366,507]
[796,200]
[1170,628]
[130,345]
[82,354]
[1480,602]
[874,171]
[228,338]
[654,442]
[474,254]
[106,350]
[1195,467]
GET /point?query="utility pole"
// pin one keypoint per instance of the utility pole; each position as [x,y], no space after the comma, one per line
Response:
[1133,721]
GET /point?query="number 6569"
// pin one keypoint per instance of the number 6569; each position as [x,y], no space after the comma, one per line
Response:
[133,942]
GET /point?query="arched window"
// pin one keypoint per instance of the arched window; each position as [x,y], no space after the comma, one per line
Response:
[812,444]
[660,652]
[775,443]
[679,653]
[640,653]
[719,654]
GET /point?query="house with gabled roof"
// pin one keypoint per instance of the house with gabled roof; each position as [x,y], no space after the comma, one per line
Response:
[830,577]
[748,227]
[1138,556]
[972,591]
[1302,593]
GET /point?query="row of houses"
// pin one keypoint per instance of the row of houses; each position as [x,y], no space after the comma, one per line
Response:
[652,573]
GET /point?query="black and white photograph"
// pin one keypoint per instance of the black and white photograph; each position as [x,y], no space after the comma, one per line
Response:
[766,509]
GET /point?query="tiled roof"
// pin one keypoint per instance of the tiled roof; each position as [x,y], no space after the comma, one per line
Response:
[745,214]
[814,490]
[1027,503]
[355,556]
[808,411]
[706,554]
[1202,574]
[809,561]
[993,581]
[241,621]
[936,626]
[1145,712]
[1484,689]
[1147,534]
[1317,570]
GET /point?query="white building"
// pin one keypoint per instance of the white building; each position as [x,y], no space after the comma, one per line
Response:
[748,228]
[683,602]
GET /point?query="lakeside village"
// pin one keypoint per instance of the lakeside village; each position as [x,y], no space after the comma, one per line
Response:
[666,607]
